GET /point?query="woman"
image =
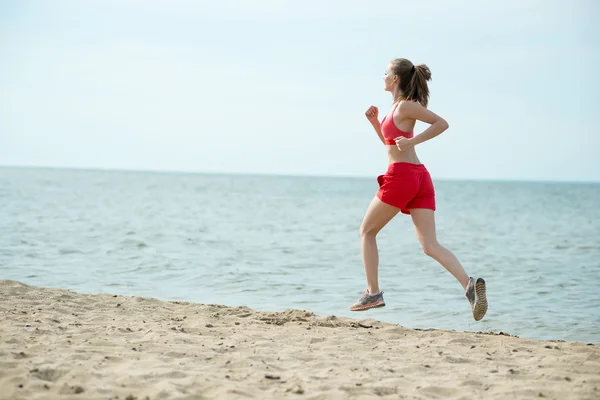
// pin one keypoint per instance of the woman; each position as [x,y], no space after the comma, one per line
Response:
[406,186]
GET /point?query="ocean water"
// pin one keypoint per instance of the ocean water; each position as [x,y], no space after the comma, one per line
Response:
[274,243]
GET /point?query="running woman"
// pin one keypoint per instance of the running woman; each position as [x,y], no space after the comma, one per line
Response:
[406,186]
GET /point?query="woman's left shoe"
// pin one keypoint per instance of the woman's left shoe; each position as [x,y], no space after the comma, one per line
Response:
[368,301]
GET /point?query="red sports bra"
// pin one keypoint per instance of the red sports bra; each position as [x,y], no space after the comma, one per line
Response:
[390,131]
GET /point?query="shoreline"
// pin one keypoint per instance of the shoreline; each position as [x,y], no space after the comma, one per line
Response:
[56,343]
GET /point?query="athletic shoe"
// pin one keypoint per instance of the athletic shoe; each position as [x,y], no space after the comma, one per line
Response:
[368,301]
[476,295]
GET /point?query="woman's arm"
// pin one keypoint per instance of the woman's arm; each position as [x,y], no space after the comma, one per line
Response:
[372,115]
[377,126]
[416,111]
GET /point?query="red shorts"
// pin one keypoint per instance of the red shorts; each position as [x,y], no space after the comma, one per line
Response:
[406,186]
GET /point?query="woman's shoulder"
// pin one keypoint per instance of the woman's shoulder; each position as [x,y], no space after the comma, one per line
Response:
[408,109]
[408,105]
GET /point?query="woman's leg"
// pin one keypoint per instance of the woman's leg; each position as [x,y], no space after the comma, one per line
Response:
[475,290]
[424,221]
[377,216]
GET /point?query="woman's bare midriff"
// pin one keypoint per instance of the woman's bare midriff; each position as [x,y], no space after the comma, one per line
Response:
[408,156]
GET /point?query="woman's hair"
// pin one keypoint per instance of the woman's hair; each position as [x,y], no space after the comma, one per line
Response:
[413,80]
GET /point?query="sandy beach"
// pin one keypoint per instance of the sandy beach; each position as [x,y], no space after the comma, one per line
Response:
[57,344]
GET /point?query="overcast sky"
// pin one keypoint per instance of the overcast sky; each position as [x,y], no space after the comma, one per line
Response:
[281,86]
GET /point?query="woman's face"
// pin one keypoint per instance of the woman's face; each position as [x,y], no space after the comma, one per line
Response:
[390,80]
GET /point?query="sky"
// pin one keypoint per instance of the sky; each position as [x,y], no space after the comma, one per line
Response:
[281,86]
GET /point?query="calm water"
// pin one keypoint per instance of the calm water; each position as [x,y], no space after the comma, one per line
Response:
[274,243]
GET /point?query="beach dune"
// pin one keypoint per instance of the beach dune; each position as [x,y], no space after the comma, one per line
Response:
[57,344]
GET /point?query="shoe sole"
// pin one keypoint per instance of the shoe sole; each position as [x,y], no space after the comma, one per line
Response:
[481,304]
[368,307]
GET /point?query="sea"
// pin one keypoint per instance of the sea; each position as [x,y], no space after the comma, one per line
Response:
[275,243]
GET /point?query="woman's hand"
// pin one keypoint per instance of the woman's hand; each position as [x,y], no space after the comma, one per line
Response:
[403,143]
[372,114]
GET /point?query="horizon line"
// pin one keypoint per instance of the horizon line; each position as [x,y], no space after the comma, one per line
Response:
[268,174]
